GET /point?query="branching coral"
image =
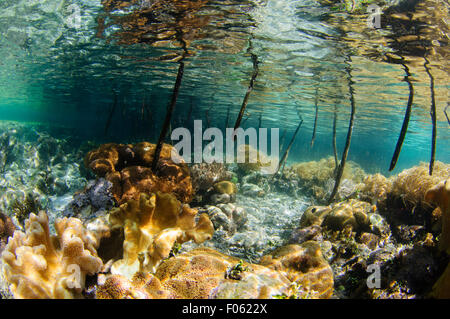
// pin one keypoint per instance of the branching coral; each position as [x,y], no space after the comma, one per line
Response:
[305,266]
[152,225]
[38,265]
[127,167]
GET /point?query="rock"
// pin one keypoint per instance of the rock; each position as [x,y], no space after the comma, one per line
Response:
[252,190]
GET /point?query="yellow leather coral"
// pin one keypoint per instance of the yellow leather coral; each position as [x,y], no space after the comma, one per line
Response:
[152,225]
[39,265]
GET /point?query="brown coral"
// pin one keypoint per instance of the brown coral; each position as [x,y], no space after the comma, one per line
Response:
[152,225]
[305,266]
[38,265]
[127,167]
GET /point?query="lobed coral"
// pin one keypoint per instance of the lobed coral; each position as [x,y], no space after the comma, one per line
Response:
[127,167]
[315,176]
[38,265]
[152,225]
[304,266]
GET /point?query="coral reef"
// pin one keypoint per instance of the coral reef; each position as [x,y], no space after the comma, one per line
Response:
[411,184]
[304,266]
[205,175]
[127,167]
[38,265]
[226,217]
[7,229]
[152,225]
[201,272]
[440,194]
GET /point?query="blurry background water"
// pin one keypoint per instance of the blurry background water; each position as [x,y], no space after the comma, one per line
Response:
[105,70]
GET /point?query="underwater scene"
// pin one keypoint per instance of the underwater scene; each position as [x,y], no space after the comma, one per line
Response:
[224,149]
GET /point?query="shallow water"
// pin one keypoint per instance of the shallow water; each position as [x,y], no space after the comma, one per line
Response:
[56,73]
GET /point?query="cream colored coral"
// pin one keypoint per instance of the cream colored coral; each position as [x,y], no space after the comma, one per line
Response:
[39,265]
[152,226]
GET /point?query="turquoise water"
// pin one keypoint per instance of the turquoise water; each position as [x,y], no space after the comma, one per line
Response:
[56,73]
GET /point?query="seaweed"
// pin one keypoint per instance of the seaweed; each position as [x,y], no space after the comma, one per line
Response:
[336,162]
[340,169]
[404,129]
